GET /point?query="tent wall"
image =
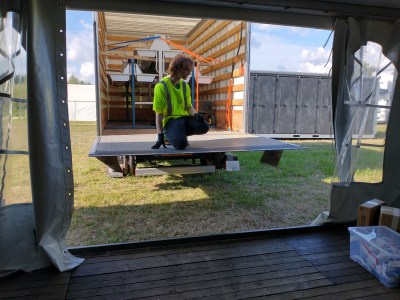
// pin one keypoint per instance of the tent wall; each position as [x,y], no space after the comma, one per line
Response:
[49,141]
[49,136]
[36,237]
[350,35]
[318,14]
[17,223]
[81,102]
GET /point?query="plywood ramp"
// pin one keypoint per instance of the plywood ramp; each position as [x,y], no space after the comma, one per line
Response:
[140,144]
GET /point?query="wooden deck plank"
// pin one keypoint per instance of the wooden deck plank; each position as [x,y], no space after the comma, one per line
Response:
[191,270]
[336,266]
[331,260]
[326,290]
[266,293]
[254,288]
[362,275]
[46,283]
[172,259]
[391,295]
[178,249]
[377,291]
[200,281]
[220,290]
[305,265]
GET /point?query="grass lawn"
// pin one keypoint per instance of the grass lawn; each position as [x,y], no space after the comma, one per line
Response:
[259,196]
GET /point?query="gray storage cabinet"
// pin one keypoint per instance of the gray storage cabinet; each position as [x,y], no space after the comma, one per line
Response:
[298,105]
[290,105]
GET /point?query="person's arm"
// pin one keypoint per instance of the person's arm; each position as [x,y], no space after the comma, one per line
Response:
[160,134]
[159,126]
[158,106]
[192,111]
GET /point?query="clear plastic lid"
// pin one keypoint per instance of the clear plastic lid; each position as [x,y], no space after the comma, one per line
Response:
[382,237]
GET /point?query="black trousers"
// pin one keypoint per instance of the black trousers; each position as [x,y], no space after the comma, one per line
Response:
[177,130]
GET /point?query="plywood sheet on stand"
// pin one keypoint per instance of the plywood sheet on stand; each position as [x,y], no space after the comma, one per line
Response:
[140,144]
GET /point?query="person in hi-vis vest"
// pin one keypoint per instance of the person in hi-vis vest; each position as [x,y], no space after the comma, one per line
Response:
[175,115]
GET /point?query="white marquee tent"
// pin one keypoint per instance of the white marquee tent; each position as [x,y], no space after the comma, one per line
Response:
[32,235]
[81,102]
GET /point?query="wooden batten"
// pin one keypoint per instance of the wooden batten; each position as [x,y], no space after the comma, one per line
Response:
[224,41]
[219,41]
[101,29]
[209,34]
[199,31]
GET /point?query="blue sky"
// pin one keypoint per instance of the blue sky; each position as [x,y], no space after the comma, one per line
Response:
[273,48]
[80,51]
[289,49]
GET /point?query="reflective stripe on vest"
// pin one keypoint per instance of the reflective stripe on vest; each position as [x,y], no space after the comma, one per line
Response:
[169,104]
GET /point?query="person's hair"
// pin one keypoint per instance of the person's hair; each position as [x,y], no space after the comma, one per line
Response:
[179,63]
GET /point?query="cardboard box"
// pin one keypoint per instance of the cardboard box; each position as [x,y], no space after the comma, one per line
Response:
[390,217]
[368,213]
[377,249]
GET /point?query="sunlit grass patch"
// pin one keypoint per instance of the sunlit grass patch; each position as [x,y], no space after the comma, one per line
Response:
[259,196]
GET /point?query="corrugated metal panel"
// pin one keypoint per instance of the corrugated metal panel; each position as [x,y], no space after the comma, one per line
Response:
[289,104]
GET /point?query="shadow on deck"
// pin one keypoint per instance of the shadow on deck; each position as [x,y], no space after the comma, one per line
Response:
[294,263]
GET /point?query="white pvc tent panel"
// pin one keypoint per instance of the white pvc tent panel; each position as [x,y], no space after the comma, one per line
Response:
[82,102]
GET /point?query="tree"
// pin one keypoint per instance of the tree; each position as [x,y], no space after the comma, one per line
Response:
[75,80]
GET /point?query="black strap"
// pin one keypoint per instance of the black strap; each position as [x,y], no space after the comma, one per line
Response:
[16,100]
[5,151]
[19,100]
[169,105]
[184,94]
[5,95]
[3,77]
[6,77]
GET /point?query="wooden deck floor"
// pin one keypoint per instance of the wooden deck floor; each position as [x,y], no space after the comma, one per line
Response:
[280,265]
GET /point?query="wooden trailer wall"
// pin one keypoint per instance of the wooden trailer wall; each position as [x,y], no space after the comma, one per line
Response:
[102,75]
[224,41]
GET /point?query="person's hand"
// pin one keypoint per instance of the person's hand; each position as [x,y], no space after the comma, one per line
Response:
[199,117]
[160,141]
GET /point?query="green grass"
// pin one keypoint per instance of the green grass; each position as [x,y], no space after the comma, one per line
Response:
[259,196]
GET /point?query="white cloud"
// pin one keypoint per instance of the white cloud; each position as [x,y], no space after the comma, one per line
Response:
[263,27]
[315,60]
[317,56]
[86,26]
[272,53]
[275,52]
[87,71]
[80,53]
[302,32]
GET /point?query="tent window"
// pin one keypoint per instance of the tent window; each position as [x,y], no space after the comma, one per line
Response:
[369,90]
[15,186]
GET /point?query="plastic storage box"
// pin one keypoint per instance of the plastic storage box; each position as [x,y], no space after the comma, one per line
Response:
[377,249]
